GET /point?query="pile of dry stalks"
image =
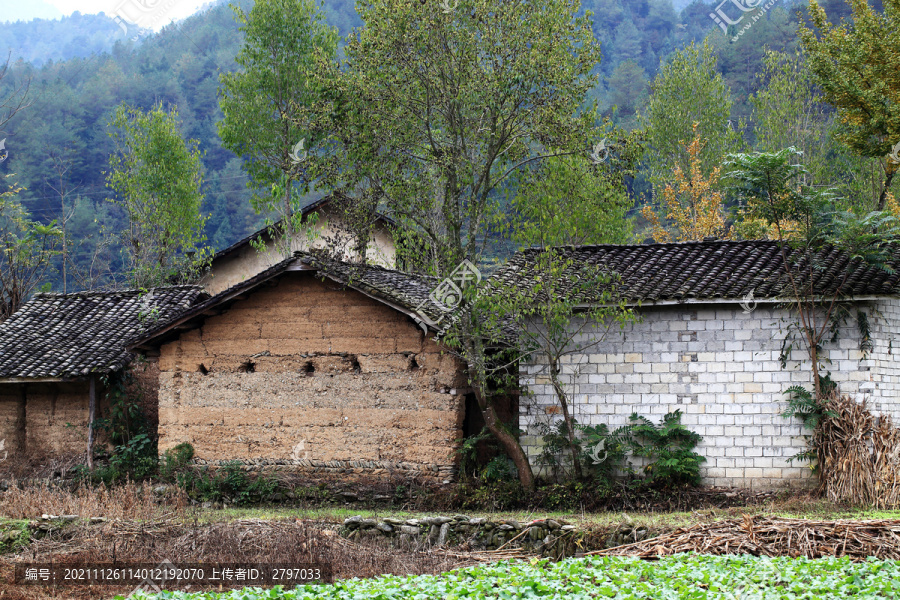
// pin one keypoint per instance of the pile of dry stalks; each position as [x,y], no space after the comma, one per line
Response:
[772,536]
[859,455]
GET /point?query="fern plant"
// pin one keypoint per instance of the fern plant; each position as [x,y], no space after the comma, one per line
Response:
[604,450]
[803,404]
[672,445]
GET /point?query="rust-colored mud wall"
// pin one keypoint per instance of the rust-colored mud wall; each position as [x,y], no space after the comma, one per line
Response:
[54,418]
[306,374]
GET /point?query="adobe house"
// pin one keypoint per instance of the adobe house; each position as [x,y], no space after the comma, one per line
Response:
[708,347]
[54,352]
[315,366]
[323,226]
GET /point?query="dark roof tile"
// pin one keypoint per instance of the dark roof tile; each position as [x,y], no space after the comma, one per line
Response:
[72,335]
[708,270]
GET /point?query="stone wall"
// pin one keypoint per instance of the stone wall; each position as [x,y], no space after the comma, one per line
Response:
[719,366]
[881,370]
[547,537]
[304,373]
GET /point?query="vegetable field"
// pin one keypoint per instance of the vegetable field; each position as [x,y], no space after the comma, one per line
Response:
[683,576]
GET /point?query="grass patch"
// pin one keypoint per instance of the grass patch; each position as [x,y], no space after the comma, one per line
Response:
[14,535]
[794,508]
[697,577]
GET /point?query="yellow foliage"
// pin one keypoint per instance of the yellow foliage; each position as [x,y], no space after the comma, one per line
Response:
[691,207]
[891,205]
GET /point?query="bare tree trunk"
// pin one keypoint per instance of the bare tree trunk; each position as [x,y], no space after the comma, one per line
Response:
[889,177]
[509,443]
[507,440]
[20,440]
[567,416]
[92,412]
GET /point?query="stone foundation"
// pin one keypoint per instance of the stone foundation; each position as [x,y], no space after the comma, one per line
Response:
[556,539]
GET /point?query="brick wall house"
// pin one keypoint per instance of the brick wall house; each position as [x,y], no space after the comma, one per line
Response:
[313,366]
[697,349]
[54,352]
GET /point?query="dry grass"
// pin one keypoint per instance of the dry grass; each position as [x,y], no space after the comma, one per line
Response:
[246,541]
[129,501]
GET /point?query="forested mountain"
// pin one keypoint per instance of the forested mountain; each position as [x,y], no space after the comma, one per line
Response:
[59,146]
[41,40]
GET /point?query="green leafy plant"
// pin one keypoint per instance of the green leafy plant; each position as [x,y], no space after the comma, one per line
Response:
[468,453]
[804,405]
[175,460]
[601,451]
[230,482]
[672,445]
[499,468]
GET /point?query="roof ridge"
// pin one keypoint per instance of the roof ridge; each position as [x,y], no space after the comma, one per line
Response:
[661,244]
[127,291]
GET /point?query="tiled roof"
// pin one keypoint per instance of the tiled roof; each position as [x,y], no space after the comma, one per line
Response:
[707,271]
[73,335]
[402,290]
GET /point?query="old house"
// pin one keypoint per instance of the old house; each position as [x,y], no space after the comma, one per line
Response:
[709,342]
[312,365]
[54,352]
[323,226]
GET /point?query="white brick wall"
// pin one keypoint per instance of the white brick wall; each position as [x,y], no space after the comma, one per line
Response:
[720,367]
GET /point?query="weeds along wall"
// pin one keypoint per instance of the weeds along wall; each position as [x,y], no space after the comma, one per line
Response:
[720,366]
[305,375]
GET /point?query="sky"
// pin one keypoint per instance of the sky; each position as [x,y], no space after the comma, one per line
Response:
[153,14]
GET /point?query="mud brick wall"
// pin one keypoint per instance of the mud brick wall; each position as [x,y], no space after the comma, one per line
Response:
[12,420]
[49,408]
[720,366]
[307,374]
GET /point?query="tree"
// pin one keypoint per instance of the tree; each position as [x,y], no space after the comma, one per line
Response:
[438,108]
[276,108]
[691,207]
[16,99]
[856,65]
[628,91]
[27,249]
[790,111]
[770,185]
[157,179]
[688,90]
[563,203]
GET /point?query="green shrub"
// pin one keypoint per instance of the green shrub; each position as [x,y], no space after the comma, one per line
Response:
[135,459]
[175,460]
[499,468]
[230,482]
[672,445]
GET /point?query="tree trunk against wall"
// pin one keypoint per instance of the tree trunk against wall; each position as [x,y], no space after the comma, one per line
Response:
[20,440]
[92,413]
